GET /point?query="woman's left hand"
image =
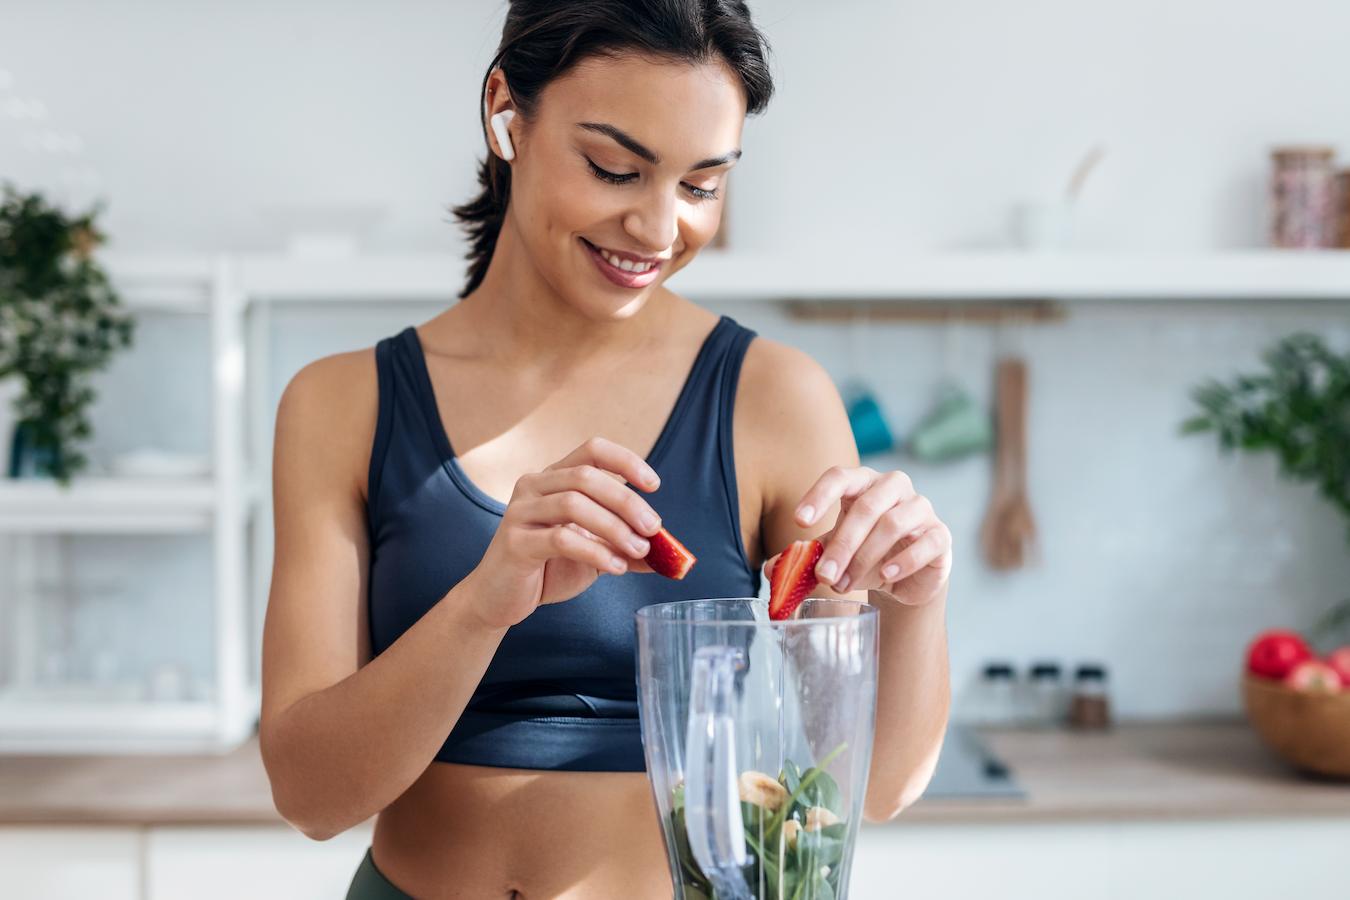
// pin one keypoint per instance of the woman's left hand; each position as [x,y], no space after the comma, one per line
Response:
[887,536]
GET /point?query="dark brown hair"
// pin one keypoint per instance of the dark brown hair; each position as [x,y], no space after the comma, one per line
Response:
[544,39]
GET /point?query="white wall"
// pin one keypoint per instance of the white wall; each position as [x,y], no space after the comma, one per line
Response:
[1158,557]
[197,122]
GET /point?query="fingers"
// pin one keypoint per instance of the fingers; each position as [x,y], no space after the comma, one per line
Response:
[869,504]
[574,507]
[611,457]
[906,518]
[933,544]
[836,484]
[601,488]
[564,541]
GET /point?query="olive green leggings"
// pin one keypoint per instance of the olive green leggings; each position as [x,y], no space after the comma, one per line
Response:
[369,883]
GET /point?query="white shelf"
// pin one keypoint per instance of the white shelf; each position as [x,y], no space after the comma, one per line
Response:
[1246,275]
[217,506]
[175,284]
[182,284]
[428,277]
[976,276]
[107,505]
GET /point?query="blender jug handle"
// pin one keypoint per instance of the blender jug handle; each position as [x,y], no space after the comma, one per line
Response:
[712,801]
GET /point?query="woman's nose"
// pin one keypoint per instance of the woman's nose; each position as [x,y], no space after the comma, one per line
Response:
[654,223]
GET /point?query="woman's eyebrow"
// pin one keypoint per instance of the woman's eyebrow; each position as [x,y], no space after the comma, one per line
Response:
[630,143]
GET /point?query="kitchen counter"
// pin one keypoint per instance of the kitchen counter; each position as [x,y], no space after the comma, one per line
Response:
[1210,770]
[1136,771]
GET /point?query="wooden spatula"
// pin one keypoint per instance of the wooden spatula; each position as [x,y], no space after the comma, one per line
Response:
[1009,532]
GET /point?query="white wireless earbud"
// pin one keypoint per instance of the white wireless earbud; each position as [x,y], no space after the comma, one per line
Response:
[499,123]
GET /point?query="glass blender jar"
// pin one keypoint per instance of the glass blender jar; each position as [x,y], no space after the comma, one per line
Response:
[758,738]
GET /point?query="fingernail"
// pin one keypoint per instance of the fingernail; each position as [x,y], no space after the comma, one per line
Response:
[617,565]
[640,547]
[650,522]
[842,585]
[806,514]
[649,477]
[828,569]
[890,572]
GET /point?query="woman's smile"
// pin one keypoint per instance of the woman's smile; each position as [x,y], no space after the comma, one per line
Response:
[624,269]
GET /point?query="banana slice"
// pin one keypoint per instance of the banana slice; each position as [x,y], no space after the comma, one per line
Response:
[818,817]
[762,790]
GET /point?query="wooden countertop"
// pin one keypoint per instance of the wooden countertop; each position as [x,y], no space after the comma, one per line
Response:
[1137,771]
[1211,770]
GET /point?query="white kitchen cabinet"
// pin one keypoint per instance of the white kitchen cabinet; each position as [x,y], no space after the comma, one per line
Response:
[70,863]
[259,862]
[1090,860]
[1094,860]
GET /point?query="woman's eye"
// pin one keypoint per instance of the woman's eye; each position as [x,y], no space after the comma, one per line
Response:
[611,177]
[627,177]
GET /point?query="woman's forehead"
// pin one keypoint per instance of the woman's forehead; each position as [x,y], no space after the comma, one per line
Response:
[682,111]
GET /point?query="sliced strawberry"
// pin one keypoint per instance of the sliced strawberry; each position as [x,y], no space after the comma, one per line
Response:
[793,577]
[668,556]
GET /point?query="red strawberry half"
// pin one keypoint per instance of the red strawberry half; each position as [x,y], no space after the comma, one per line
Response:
[668,556]
[793,577]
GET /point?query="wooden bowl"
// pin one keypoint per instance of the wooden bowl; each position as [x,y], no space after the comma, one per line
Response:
[1311,731]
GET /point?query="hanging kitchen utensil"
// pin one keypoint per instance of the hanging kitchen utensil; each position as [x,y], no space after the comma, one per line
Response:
[1009,533]
[957,426]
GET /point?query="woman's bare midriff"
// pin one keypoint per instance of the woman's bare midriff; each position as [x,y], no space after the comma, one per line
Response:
[477,832]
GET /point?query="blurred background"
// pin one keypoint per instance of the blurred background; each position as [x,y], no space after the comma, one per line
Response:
[1031,241]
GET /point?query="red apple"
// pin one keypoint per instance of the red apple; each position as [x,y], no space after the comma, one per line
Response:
[1339,659]
[1314,677]
[1274,654]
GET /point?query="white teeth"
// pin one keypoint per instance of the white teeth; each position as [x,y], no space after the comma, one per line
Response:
[625,264]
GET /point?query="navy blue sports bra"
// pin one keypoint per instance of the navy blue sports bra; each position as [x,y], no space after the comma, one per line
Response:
[561,691]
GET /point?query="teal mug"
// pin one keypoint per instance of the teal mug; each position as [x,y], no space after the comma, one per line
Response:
[870,431]
[956,427]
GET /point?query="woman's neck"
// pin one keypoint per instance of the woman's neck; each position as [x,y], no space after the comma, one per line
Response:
[518,314]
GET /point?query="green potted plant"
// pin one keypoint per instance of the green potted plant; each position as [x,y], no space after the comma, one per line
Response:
[1298,409]
[60,322]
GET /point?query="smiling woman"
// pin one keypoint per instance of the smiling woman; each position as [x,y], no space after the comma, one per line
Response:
[619,78]
[463,512]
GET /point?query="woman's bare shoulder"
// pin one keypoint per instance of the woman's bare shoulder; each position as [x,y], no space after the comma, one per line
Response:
[789,423]
[777,379]
[328,413]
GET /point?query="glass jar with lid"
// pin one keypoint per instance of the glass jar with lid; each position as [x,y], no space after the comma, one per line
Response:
[1302,197]
[1343,209]
[1090,708]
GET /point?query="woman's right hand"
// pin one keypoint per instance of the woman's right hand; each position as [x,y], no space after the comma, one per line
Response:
[563,527]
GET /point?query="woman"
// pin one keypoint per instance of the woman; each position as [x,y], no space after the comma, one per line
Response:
[462,512]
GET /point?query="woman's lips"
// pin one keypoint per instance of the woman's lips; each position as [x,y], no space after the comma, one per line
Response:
[619,276]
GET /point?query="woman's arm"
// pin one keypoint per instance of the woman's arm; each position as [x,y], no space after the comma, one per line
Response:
[343,735]
[790,419]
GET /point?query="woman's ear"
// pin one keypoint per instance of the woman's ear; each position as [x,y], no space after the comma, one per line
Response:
[500,111]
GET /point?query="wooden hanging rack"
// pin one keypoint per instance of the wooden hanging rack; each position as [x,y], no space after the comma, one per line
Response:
[927,310]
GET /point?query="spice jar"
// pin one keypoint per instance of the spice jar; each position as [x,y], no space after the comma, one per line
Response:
[1302,189]
[1046,697]
[1090,707]
[1343,209]
[997,695]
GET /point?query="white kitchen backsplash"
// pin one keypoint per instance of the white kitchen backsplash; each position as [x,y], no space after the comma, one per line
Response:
[1158,556]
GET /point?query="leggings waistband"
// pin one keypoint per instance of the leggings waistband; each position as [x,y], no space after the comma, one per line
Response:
[369,883]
